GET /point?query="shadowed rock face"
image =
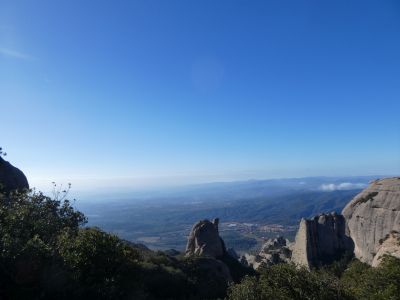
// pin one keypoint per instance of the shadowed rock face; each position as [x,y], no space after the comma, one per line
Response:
[372,215]
[204,240]
[11,178]
[321,240]
[274,251]
[215,268]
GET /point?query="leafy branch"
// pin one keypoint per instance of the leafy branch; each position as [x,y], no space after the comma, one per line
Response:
[2,153]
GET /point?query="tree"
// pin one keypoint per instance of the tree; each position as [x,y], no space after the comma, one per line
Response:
[2,153]
[30,224]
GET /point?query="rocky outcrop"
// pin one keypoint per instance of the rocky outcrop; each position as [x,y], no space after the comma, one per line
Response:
[273,251]
[369,228]
[11,178]
[390,246]
[208,249]
[204,240]
[371,216]
[321,240]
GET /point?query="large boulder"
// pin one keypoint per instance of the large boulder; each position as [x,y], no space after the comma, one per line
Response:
[372,215]
[321,240]
[204,240]
[11,178]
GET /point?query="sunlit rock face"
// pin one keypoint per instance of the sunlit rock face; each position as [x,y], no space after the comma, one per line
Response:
[11,178]
[372,216]
[321,240]
[390,246]
[204,240]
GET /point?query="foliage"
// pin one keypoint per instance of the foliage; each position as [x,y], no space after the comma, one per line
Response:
[29,227]
[365,282]
[356,280]
[286,281]
[99,264]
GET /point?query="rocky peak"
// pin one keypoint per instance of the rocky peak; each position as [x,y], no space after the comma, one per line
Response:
[11,178]
[204,240]
[321,240]
[205,244]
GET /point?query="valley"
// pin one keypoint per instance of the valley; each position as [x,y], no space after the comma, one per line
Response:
[250,212]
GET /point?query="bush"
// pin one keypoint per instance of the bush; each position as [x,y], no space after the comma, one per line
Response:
[365,282]
[99,264]
[286,281]
[30,224]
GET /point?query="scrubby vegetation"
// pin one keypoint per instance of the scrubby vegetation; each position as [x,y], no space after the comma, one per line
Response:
[47,252]
[355,281]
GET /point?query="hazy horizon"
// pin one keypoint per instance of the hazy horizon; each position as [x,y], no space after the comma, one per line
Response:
[124,188]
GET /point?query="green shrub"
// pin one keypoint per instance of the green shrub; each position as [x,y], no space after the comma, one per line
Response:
[365,282]
[30,224]
[99,264]
[286,281]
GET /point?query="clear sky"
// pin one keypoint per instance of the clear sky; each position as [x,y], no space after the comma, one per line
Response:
[157,92]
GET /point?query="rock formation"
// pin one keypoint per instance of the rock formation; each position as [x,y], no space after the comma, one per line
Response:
[204,240]
[369,226]
[11,178]
[321,240]
[371,216]
[274,251]
[390,246]
[207,247]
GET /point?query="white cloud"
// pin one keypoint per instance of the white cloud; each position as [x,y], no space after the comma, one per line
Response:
[14,54]
[342,186]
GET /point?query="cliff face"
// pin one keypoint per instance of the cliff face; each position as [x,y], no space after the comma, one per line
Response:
[321,240]
[372,215]
[11,178]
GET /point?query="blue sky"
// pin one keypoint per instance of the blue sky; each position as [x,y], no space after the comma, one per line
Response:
[170,92]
